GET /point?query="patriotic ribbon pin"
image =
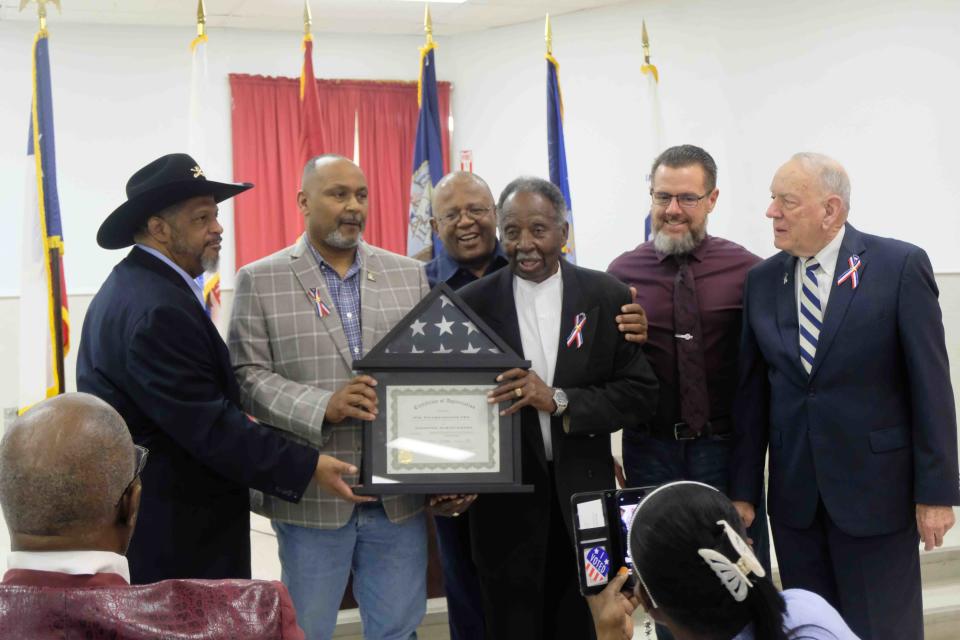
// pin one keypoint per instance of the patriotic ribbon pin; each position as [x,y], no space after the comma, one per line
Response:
[577,334]
[322,310]
[851,274]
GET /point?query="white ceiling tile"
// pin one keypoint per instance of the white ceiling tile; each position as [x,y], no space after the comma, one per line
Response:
[332,16]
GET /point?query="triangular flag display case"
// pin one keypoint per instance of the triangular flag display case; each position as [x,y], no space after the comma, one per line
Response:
[435,432]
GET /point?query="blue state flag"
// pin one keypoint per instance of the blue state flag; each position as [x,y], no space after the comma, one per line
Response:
[557,149]
[44,317]
[427,159]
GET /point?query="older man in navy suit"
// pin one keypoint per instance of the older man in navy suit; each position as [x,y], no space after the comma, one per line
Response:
[844,376]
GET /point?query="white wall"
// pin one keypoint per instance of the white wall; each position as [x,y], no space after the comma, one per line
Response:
[873,83]
[120,100]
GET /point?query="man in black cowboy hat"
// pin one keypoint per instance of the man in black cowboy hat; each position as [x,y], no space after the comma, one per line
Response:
[148,348]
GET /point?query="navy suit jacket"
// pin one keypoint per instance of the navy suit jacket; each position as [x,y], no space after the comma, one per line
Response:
[872,430]
[609,385]
[149,350]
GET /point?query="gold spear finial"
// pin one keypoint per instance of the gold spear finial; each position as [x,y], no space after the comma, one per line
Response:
[41,10]
[548,36]
[646,44]
[647,67]
[427,22]
[307,18]
[201,19]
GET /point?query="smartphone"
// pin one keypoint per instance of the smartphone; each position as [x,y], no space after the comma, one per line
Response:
[627,501]
[601,526]
[596,542]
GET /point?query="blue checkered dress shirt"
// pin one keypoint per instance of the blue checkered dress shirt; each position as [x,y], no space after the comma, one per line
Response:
[346,298]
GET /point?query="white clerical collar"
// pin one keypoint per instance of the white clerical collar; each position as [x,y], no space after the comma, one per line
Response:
[76,563]
[530,285]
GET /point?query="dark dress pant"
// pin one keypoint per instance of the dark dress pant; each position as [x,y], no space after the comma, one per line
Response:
[874,582]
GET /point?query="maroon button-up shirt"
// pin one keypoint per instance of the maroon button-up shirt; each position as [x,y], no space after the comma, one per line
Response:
[720,270]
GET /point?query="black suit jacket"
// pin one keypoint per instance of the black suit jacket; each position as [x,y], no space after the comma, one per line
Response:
[148,348]
[872,430]
[609,385]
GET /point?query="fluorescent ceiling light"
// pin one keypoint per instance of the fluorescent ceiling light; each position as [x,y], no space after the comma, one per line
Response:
[437,1]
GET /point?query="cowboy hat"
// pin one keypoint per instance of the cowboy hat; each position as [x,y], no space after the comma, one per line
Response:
[164,182]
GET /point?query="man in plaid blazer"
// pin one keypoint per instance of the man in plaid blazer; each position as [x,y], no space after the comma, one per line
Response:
[300,318]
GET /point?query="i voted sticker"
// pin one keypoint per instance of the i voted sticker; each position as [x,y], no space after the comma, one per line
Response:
[596,564]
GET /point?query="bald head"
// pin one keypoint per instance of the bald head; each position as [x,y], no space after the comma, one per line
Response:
[458,180]
[465,219]
[64,465]
[333,201]
[318,164]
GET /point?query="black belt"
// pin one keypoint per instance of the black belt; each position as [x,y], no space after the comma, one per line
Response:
[683,431]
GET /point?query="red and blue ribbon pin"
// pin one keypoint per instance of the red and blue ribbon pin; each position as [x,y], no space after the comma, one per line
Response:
[851,274]
[577,334]
[322,310]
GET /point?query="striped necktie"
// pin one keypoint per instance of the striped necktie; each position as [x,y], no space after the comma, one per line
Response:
[811,314]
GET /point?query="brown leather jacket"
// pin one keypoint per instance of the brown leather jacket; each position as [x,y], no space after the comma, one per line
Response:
[41,605]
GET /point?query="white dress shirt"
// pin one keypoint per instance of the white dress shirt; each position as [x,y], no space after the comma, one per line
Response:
[538,314]
[75,563]
[827,259]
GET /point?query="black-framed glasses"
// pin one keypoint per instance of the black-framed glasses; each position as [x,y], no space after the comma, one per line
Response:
[140,454]
[685,200]
[474,213]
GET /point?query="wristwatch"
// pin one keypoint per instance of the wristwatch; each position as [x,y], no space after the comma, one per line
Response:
[560,399]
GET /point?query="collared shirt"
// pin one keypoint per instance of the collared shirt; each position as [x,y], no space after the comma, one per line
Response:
[807,617]
[444,268]
[194,286]
[345,293]
[76,563]
[538,314]
[719,270]
[827,259]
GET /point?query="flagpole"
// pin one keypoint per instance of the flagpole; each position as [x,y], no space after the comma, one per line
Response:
[427,23]
[649,70]
[548,36]
[307,21]
[54,244]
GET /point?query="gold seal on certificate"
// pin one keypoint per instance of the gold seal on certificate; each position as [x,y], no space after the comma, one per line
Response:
[436,432]
[442,429]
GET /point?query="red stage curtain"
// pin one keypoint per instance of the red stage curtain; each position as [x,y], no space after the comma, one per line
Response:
[266,130]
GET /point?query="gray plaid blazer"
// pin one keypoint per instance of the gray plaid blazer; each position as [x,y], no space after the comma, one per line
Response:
[289,361]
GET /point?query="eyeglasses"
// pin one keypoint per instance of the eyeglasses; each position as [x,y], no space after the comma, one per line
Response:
[453,216]
[140,456]
[685,200]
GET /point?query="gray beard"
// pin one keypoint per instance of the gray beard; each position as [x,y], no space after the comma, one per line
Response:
[673,246]
[338,241]
[210,264]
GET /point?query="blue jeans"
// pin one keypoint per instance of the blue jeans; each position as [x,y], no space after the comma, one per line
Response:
[651,461]
[389,566]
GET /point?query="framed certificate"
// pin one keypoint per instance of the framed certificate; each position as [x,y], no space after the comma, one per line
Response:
[435,431]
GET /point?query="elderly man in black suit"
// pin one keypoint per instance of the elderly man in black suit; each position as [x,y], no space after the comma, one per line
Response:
[586,382]
[148,348]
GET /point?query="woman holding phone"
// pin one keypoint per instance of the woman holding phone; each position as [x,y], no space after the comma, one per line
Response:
[697,576]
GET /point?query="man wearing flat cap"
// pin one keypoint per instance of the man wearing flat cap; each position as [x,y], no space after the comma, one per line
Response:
[148,348]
